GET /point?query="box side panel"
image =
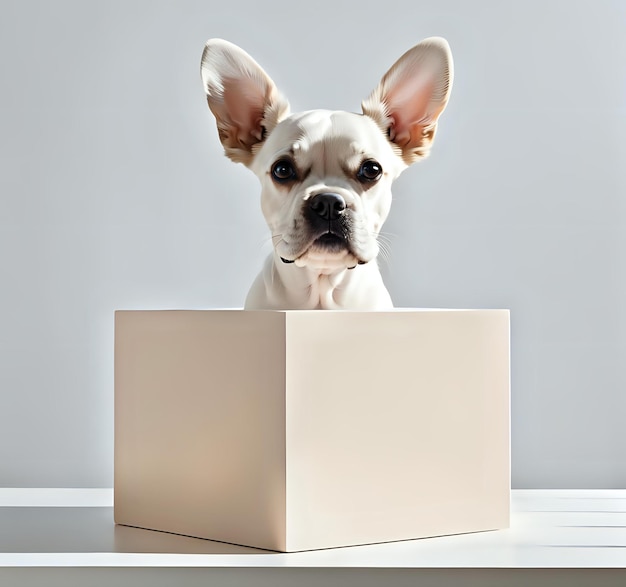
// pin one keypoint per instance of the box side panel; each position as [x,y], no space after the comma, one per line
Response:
[199,424]
[397,426]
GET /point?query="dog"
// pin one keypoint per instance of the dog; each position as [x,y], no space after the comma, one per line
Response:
[325,175]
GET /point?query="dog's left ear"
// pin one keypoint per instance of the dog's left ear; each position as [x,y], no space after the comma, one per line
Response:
[411,96]
[243,98]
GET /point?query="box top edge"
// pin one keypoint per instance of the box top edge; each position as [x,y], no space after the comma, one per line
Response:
[390,311]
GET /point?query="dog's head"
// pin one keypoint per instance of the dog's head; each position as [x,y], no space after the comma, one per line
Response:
[326,175]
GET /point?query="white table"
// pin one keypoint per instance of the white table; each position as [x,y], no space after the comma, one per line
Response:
[67,537]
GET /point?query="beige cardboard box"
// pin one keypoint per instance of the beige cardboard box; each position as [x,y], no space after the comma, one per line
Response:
[300,430]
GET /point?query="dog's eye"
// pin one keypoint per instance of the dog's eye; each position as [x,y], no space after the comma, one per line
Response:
[283,171]
[369,171]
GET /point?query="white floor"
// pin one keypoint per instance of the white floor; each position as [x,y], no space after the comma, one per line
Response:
[73,528]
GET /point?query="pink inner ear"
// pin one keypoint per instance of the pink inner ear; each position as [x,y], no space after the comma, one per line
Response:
[244,104]
[408,105]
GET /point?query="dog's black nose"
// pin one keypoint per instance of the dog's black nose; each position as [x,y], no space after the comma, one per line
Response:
[328,206]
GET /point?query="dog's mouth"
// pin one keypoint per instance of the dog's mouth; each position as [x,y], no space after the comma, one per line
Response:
[328,243]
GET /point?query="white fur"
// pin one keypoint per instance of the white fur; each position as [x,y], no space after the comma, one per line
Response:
[327,149]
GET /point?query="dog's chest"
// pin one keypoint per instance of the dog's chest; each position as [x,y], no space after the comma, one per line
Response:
[327,289]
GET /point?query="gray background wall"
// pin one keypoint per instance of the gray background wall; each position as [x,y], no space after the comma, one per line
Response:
[114,194]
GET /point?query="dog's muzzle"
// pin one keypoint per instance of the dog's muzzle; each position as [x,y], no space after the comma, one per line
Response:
[328,223]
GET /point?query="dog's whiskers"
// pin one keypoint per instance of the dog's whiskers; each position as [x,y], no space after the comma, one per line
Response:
[384,246]
[273,239]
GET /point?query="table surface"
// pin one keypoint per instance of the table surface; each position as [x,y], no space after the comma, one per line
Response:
[549,529]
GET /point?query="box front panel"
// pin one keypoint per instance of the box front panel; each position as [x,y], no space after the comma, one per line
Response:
[397,425]
[199,424]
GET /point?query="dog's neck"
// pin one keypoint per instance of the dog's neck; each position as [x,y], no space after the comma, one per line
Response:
[313,287]
[287,286]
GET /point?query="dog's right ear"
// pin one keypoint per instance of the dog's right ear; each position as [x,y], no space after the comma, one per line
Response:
[243,98]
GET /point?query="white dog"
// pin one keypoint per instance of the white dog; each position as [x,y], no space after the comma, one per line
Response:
[326,175]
